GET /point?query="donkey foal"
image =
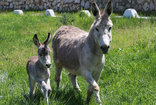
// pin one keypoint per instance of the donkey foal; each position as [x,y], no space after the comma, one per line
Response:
[38,68]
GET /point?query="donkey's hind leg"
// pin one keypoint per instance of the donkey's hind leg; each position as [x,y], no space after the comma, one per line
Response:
[58,74]
[74,82]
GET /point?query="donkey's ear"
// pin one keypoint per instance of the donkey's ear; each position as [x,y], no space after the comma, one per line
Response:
[108,9]
[46,42]
[36,41]
[95,10]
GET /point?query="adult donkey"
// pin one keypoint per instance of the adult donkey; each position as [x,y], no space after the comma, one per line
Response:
[82,53]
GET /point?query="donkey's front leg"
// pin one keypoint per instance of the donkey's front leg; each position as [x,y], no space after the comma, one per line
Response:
[74,82]
[93,86]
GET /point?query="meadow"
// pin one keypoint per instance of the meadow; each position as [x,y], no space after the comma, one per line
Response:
[128,78]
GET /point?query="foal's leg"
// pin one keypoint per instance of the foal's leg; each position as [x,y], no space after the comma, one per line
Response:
[48,83]
[58,74]
[93,86]
[43,87]
[32,87]
[74,82]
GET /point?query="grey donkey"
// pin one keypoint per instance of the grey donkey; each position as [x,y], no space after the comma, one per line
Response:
[38,68]
[83,53]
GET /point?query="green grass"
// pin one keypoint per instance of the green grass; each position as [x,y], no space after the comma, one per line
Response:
[128,76]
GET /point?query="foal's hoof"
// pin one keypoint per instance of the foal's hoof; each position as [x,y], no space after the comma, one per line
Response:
[98,102]
[49,91]
[77,90]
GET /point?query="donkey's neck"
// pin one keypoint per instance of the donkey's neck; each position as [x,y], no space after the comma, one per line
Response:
[40,65]
[93,45]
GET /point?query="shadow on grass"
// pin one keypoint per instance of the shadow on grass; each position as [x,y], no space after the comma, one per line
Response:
[68,96]
[36,100]
[64,96]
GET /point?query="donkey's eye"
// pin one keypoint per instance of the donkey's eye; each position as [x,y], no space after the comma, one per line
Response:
[40,54]
[109,29]
[97,29]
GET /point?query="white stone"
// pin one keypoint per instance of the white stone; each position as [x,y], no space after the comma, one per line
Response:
[86,12]
[20,12]
[50,12]
[130,13]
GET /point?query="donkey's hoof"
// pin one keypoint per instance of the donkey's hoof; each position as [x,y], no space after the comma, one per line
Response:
[98,102]
[49,91]
[77,90]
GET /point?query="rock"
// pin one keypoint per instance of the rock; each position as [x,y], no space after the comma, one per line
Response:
[82,3]
[11,5]
[26,7]
[146,6]
[92,1]
[50,12]
[139,1]
[77,1]
[70,1]
[20,12]
[66,1]
[9,0]
[152,6]
[129,1]
[86,12]
[130,13]
[87,5]
[41,7]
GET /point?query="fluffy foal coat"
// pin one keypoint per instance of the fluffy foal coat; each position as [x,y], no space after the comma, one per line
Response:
[38,68]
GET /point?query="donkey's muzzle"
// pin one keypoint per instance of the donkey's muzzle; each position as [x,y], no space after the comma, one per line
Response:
[105,49]
[48,65]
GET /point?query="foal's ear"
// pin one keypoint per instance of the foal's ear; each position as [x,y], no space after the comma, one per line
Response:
[108,9]
[36,41]
[95,10]
[46,42]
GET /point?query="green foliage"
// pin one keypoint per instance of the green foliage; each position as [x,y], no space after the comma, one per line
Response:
[67,18]
[128,76]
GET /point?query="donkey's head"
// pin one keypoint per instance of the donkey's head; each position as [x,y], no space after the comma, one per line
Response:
[43,50]
[101,28]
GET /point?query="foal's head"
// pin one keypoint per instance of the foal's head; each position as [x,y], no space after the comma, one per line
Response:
[43,50]
[102,26]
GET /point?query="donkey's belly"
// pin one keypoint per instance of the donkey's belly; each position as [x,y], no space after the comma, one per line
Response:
[69,60]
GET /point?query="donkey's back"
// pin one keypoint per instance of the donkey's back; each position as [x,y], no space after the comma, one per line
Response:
[30,63]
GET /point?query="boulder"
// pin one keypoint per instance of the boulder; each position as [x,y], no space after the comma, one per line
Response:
[50,12]
[130,13]
[20,12]
[86,12]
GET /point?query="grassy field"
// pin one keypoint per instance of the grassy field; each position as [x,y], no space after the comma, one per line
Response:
[129,75]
